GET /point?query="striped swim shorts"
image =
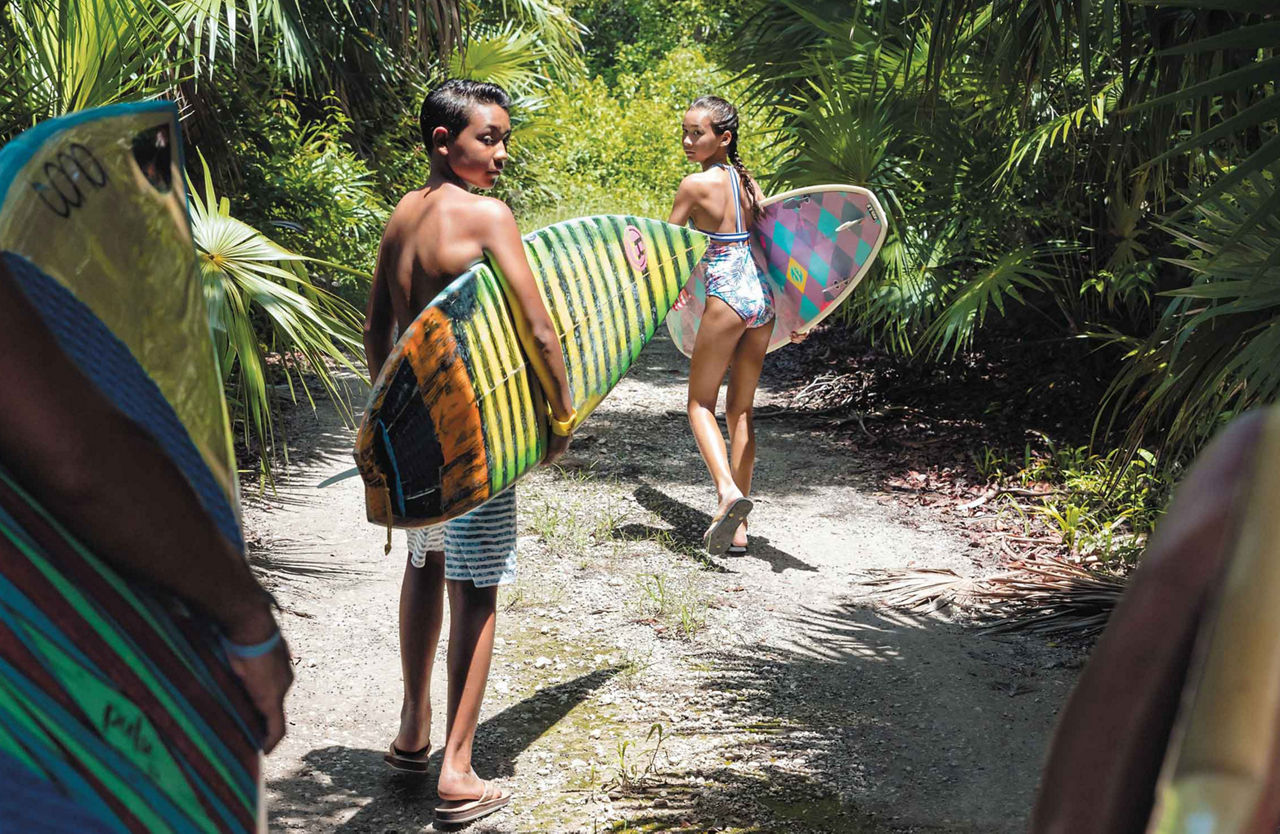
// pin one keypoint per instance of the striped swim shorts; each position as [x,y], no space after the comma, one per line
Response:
[479,546]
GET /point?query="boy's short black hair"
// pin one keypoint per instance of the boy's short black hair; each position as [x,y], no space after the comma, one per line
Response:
[449,105]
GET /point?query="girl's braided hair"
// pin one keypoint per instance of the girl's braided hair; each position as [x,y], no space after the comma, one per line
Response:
[724,116]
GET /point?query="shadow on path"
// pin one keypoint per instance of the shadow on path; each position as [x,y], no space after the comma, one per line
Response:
[334,779]
[902,704]
[686,528]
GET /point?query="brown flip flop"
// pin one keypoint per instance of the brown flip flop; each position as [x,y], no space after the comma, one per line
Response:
[458,811]
[720,534]
[403,762]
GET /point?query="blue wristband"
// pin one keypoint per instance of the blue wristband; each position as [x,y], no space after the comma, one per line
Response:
[254,650]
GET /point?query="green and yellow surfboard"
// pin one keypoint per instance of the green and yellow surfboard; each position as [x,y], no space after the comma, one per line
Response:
[457,415]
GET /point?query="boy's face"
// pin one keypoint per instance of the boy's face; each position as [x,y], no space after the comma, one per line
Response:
[479,151]
[699,139]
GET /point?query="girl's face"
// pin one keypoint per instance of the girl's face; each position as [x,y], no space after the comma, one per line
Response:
[700,141]
[479,151]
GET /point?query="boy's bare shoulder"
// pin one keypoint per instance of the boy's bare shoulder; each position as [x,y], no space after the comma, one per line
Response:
[490,209]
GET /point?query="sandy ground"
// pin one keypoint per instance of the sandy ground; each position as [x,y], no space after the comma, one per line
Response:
[639,685]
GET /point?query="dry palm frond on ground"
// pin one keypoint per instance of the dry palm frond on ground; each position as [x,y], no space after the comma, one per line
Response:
[1042,596]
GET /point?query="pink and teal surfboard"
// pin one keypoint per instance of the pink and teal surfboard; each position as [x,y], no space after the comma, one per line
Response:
[814,245]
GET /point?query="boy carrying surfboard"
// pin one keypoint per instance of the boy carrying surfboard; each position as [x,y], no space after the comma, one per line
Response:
[435,234]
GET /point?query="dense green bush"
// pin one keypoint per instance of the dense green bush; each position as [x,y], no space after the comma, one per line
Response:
[301,180]
[628,36]
[615,149]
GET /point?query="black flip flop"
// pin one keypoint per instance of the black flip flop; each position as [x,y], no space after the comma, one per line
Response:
[404,762]
[720,534]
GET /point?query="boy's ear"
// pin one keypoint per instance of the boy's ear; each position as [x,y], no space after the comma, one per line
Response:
[440,140]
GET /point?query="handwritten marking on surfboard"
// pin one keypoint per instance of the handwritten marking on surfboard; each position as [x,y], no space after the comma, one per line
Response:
[60,191]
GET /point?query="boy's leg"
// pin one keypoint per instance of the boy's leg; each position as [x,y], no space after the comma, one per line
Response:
[480,553]
[421,616]
[472,615]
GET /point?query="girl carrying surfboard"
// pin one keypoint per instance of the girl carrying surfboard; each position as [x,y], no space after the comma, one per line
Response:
[722,200]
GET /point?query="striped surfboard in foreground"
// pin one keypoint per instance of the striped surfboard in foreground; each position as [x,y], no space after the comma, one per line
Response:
[118,709]
[457,415]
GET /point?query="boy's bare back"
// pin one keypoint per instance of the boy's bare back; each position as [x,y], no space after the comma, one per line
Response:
[438,231]
[434,235]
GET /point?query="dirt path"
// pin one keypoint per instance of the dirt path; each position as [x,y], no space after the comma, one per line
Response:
[638,685]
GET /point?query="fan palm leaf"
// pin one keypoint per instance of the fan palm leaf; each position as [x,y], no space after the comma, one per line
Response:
[254,285]
[558,34]
[510,56]
[83,53]
[1007,278]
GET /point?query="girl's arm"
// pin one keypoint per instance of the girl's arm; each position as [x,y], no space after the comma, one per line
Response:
[686,200]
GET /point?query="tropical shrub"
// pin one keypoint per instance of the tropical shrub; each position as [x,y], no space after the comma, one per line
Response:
[1070,171]
[261,300]
[602,148]
[301,180]
[630,36]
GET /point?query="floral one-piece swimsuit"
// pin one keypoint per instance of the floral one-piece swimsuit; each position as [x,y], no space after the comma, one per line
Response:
[731,274]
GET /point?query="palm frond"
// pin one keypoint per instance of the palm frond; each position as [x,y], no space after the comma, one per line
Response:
[1046,596]
[253,284]
[558,34]
[1213,352]
[1009,277]
[509,56]
[208,25]
[83,53]
[1052,596]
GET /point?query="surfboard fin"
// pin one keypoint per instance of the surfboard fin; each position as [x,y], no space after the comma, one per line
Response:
[341,476]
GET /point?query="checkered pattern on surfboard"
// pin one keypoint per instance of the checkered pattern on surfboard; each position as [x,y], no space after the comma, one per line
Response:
[803,231]
[807,263]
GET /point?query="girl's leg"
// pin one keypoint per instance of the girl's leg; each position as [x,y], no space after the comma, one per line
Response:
[744,376]
[718,337]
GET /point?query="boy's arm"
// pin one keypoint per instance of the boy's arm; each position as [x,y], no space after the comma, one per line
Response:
[377,323]
[502,240]
[73,450]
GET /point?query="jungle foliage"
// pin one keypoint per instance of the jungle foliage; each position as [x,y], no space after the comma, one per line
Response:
[1103,171]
